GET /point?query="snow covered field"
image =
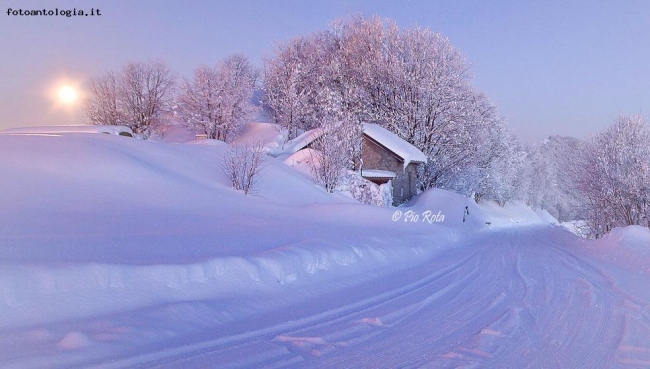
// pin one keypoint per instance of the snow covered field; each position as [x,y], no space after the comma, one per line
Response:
[116,252]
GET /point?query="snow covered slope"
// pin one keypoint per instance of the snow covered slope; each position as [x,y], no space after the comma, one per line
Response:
[116,253]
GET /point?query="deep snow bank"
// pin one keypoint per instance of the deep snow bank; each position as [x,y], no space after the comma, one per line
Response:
[96,226]
[461,211]
[626,247]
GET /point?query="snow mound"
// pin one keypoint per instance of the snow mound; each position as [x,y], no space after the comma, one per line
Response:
[627,247]
[110,245]
[301,161]
[460,210]
[178,133]
[634,237]
[268,135]
[514,213]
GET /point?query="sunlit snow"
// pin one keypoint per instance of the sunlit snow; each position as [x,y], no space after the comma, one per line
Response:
[116,252]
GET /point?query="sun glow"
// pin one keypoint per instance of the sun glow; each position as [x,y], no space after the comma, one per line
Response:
[67,94]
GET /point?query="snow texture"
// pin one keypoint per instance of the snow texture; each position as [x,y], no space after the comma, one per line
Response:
[376,173]
[58,130]
[406,151]
[117,252]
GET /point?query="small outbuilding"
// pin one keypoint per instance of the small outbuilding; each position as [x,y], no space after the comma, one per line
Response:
[386,157]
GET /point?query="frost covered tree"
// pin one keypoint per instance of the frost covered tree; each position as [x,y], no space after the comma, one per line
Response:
[614,176]
[305,83]
[218,100]
[496,171]
[139,96]
[103,105]
[411,81]
[547,180]
[335,148]
[414,83]
[146,91]
[466,137]
[287,85]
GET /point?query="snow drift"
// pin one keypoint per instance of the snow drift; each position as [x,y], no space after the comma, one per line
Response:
[112,247]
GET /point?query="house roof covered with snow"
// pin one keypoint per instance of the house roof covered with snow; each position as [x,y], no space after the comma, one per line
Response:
[403,149]
[304,139]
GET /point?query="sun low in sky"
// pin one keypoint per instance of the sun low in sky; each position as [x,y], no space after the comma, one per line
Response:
[67,94]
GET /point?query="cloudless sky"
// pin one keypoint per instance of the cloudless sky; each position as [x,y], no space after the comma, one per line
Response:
[551,67]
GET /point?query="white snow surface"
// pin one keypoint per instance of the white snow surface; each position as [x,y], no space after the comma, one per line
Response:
[376,173]
[408,152]
[120,253]
[268,135]
[298,143]
[67,129]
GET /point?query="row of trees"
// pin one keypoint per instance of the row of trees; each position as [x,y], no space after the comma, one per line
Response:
[411,81]
[415,84]
[145,96]
[138,97]
[604,181]
[613,176]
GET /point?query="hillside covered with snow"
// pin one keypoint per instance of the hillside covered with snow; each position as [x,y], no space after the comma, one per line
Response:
[116,252]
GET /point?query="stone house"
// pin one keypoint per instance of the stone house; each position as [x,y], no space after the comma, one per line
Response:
[384,157]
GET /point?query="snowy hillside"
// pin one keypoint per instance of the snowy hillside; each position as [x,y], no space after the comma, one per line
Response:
[116,252]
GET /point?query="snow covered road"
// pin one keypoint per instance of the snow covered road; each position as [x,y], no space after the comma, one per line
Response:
[97,270]
[510,299]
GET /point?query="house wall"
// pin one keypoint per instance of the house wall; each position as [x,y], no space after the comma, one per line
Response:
[376,156]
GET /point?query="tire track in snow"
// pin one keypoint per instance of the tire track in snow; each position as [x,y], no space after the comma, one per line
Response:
[531,306]
[507,300]
[438,331]
[565,313]
[604,304]
[178,357]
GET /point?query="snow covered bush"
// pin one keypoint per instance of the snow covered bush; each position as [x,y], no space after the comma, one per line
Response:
[366,192]
[330,162]
[242,165]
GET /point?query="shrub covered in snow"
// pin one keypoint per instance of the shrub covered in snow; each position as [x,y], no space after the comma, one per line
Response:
[242,165]
[366,192]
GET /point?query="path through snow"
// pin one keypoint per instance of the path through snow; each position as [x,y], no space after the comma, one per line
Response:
[511,299]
